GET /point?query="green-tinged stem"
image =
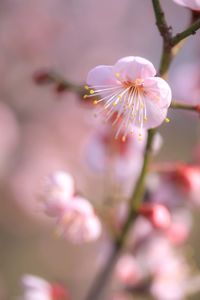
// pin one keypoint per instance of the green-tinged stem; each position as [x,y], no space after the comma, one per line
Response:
[192,29]
[134,204]
[175,105]
[138,193]
[165,62]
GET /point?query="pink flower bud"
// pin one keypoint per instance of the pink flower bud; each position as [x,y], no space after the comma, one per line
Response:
[58,191]
[79,223]
[59,292]
[128,271]
[157,214]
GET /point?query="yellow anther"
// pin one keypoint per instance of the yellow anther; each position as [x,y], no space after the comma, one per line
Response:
[167,120]
[95,102]
[115,103]
[145,119]
[86,87]
[117,75]
[85,96]
[91,92]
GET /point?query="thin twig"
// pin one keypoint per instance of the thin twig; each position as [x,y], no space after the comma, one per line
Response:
[176,105]
[192,29]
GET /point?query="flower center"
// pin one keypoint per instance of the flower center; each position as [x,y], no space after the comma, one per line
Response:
[127,99]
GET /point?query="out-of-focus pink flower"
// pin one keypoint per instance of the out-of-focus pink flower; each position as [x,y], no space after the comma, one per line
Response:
[192,4]
[187,177]
[131,89]
[157,214]
[179,183]
[180,227]
[128,271]
[79,223]
[175,281]
[187,88]
[37,288]
[58,190]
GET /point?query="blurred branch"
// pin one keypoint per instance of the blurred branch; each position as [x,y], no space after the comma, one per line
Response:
[45,77]
[176,105]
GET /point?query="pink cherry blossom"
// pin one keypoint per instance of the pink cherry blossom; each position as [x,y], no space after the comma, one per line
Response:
[128,271]
[79,223]
[192,4]
[58,190]
[130,90]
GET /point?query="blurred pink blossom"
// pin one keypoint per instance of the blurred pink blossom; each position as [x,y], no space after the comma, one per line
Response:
[179,183]
[192,4]
[157,214]
[78,223]
[130,89]
[58,190]
[128,271]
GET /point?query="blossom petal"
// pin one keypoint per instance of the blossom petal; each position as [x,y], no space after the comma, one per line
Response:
[133,67]
[192,4]
[156,115]
[101,76]
[158,90]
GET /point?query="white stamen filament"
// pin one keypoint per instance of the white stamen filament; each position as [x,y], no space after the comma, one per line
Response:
[128,100]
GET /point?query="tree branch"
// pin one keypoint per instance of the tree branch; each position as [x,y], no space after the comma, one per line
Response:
[176,105]
[192,29]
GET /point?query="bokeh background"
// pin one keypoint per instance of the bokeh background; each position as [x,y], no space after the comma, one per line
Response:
[42,131]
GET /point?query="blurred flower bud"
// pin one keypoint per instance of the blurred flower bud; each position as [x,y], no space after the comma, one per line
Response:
[157,214]
[128,271]
[79,223]
[58,190]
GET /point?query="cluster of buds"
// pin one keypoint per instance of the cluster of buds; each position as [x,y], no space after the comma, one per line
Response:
[154,263]
[75,216]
